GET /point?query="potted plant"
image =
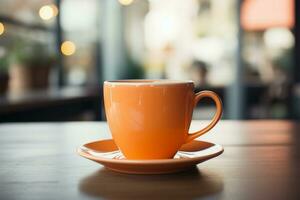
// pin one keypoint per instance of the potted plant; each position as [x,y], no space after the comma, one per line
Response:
[4,75]
[31,63]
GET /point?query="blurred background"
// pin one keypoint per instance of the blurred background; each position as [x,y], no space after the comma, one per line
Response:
[55,54]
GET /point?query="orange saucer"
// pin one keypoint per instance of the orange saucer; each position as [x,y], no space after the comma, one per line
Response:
[106,153]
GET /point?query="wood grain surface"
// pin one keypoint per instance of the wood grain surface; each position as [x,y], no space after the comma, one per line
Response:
[261,161]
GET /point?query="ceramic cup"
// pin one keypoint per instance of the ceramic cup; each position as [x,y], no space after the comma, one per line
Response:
[150,119]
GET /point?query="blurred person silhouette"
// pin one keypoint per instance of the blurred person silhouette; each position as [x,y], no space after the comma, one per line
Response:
[199,73]
[277,98]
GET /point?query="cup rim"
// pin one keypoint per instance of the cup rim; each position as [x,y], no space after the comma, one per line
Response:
[147,82]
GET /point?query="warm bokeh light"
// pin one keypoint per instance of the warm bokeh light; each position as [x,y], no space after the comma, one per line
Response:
[1,28]
[48,11]
[55,9]
[125,2]
[68,48]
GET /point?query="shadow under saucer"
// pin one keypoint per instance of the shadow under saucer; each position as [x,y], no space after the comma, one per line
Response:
[189,184]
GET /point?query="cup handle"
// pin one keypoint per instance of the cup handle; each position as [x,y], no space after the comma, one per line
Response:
[216,118]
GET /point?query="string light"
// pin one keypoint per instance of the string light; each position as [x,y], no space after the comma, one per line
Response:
[68,48]
[2,28]
[47,12]
[125,2]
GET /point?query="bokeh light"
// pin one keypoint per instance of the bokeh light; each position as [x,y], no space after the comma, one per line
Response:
[276,38]
[125,2]
[2,28]
[47,12]
[68,48]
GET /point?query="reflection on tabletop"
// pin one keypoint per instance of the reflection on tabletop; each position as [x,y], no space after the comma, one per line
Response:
[190,184]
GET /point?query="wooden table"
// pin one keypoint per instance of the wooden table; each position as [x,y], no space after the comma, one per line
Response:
[261,161]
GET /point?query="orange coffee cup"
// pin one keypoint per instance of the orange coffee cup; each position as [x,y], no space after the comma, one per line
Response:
[150,119]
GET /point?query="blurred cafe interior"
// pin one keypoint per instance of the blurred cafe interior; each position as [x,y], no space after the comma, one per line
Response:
[55,54]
